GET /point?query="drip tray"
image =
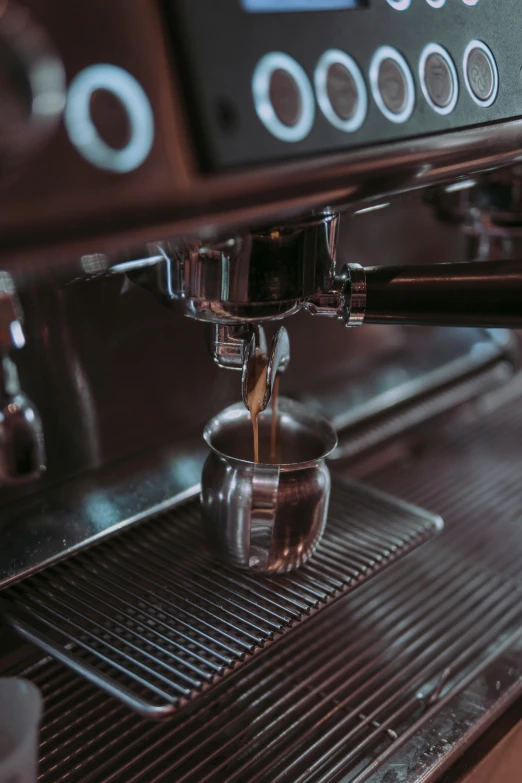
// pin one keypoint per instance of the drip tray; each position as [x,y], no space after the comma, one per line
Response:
[151,618]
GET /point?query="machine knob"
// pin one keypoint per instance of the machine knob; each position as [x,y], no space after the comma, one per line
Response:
[32,85]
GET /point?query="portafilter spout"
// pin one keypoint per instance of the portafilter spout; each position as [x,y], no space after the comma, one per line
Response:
[276,362]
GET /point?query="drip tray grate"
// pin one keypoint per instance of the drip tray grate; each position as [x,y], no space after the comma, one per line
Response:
[154,620]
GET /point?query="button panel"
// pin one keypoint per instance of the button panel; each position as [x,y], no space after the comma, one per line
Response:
[480,73]
[392,84]
[379,71]
[285,103]
[438,78]
[283,97]
[341,91]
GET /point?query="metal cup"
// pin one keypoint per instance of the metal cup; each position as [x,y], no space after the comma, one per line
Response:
[266,517]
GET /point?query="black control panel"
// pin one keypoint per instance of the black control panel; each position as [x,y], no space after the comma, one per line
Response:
[273,80]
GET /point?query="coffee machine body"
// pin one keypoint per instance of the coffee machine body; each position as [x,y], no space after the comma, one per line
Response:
[179,177]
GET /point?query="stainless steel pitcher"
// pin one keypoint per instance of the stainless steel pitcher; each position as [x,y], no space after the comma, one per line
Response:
[266,517]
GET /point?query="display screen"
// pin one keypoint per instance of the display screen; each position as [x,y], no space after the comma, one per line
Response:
[264,6]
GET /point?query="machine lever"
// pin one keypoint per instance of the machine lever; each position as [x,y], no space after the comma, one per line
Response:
[479,294]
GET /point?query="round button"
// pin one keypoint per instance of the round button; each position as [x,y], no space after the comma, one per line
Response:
[470,2]
[480,73]
[436,3]
[82,124]
[399,5]
[341,92]
[438,78]
[283,97]
[392,84]
[110,119]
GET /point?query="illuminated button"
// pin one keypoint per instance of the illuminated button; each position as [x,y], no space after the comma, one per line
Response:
[480,73]
[90,141]
[341,92]
[399,5]
[438,78]
[283,97]
[436,3]
[470,2]
[392,84]
[110,119]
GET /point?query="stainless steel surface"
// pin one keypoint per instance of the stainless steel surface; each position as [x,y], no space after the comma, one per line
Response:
[400,420]
[42,529]
[99,352]
[272,274]
[354,310]
[11,315]
[260,275]
[382,374]
[415,364]
[22,453]
[239,200]
[489,213]
[229,344]
[346,298]
[151,618]
[277,362]
[388,685]
[266,517]
[251,244]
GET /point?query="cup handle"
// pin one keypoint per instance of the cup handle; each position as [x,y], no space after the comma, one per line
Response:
[265,486]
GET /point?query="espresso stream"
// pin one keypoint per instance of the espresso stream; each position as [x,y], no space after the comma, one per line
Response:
[256,393]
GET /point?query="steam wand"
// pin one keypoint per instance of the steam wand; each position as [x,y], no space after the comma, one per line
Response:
[22,455]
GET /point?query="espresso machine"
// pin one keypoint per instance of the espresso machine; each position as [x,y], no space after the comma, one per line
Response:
[181,179]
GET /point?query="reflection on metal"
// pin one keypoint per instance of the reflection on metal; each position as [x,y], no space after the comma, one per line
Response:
[278,359]
[22,452]
[338,698]
[50,527]
[369,402]
[188,622]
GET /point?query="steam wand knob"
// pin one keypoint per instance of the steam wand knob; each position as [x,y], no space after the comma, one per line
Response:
[22,453]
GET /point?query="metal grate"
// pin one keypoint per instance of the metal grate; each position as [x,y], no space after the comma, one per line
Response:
[154,620]
[339,694]
[329,700]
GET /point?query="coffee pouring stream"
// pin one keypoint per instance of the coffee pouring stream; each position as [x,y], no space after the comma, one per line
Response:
[260,382]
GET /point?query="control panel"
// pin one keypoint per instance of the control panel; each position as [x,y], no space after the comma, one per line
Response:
[131,120]
[271,80]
